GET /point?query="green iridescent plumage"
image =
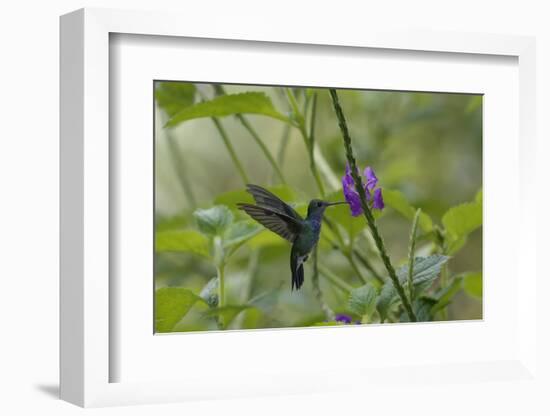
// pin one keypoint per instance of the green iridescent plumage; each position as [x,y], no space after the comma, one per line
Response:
[282,219]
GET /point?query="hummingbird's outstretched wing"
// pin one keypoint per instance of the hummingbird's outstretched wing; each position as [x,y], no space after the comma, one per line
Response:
[278,222]
[266,199]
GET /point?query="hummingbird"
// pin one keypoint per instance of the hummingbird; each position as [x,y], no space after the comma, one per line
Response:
[280,218]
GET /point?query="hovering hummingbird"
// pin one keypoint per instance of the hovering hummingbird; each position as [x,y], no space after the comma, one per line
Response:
[282,219]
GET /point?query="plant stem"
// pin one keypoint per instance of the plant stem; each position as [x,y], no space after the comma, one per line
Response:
[412,241]
[332,277]
[221,291]
[179,165]
[231,150]
[284,143]
[219,90]
[308,141]
[443,284]
[366,209]
[348,253]
[329,314]
[366,264]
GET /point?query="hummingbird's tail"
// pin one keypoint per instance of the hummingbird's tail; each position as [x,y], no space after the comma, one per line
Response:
[297,269]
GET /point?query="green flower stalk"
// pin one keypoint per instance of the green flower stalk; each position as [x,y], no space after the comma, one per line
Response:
[365,206]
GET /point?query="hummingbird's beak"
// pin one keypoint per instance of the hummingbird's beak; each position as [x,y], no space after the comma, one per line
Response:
[329,204]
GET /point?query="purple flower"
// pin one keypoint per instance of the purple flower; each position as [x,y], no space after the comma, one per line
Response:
[373,194]
[341,317]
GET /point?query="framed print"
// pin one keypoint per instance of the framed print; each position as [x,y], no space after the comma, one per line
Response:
[272,218]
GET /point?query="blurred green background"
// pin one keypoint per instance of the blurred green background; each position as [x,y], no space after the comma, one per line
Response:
[426,145]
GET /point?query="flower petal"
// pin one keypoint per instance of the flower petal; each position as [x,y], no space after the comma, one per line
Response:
[378,201]
[371,178]
[351,196]
[341,317]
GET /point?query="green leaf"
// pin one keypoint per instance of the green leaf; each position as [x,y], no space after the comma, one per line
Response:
[240,231]
[226,105]
[210,292]
[445,295]
[171,305]
[422,309]
[398,201]
[473,284]
[213,221]
[227,313]
[387,300]
[251,319]
[173,97]
[189,241]
[479,196]
[425,271]
[362,300]
[266,238]
[459,222]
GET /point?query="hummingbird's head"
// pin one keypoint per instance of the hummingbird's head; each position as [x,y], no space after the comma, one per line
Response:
[318,206]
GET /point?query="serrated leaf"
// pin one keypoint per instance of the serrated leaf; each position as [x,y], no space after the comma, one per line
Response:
[362,300]
[171,305]
[213,221]
[226,105]
[398,201]
[189,241]
[473,284]
[173,97]
[239,232]
[461,220]
[445,295]
[425,271]
[387,300]
[422,309]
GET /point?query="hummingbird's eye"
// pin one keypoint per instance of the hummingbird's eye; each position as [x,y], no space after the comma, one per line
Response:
[319,204]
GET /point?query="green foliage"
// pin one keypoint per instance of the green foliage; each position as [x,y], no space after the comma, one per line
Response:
[422,309]
[460,221]
[399,128]
[425,271]
[173,97]
[239,232]
[226,313]
[213,221]
[210,292]
[171,305]
[473,284]
[445,295]
[398,201]
[184,241]
[226,105]
[362,300]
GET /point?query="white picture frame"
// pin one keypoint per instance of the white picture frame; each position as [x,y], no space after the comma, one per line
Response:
[86,164]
